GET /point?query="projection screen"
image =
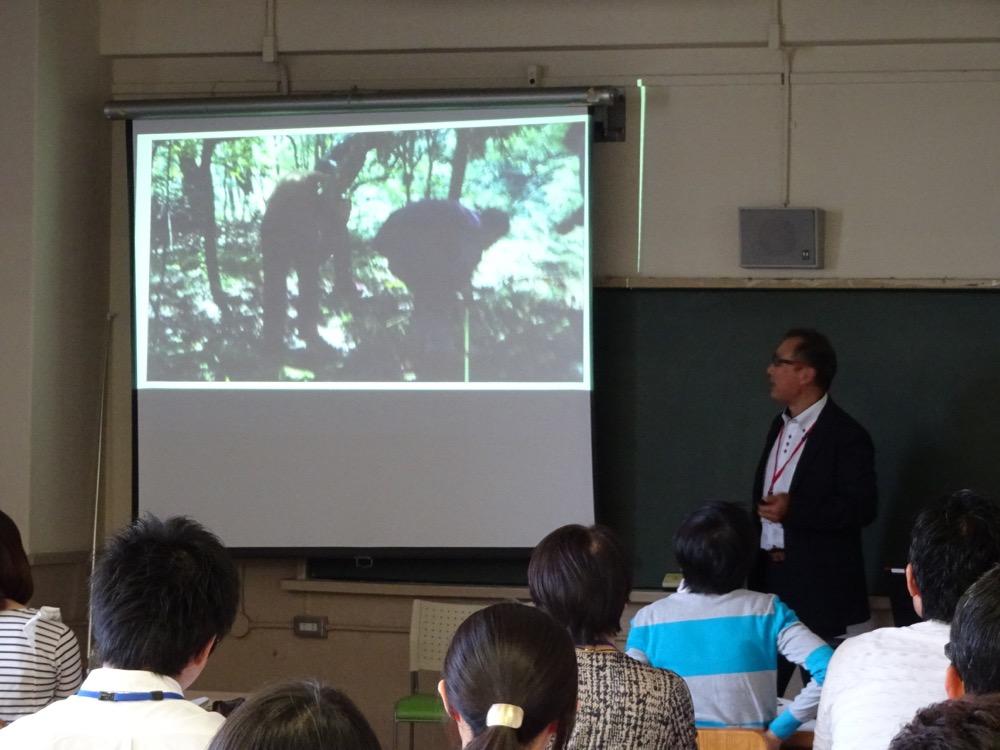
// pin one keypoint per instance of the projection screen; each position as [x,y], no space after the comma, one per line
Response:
[364,331]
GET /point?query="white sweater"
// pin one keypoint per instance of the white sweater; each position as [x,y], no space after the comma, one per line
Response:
[876,682]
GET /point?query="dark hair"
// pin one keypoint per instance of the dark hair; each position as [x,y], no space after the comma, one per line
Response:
[971,723]
[161,591]
[580,576]
[512,653]
[816,351]
[975,635]
[955,540]
[299,715]
[15,572]
[715,547]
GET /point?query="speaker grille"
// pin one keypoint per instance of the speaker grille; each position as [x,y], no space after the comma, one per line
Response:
[781,238]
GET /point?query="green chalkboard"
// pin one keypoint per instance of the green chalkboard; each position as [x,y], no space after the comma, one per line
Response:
[681,401]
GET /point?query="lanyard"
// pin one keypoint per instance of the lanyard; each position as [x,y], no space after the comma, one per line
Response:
[154,695]
[778,471]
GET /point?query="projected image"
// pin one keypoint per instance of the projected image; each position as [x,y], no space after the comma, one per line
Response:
[431,254]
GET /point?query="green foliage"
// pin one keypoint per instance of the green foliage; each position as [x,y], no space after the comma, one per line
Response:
[519,336]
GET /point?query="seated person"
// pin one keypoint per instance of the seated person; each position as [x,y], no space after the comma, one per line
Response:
[723,639]
[876,681]
[162,597]
[39,656]
[304,715]
[509,680]
[974,649]
[971,723]
[579,576]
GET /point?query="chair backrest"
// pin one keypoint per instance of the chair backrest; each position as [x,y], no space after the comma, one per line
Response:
[432,625]
[730,739]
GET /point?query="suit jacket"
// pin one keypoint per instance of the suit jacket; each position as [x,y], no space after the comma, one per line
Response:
[833,495]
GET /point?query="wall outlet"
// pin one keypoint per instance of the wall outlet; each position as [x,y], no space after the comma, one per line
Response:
[310,626]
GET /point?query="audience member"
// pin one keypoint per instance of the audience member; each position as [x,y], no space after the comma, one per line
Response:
[302,715]
[162,597]
[39,656]
[878,680]
[509,680]
[974,649]
[580,576]
[723,639]
[972,723]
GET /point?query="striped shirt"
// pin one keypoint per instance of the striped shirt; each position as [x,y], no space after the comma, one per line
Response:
[726,648]
[39,661]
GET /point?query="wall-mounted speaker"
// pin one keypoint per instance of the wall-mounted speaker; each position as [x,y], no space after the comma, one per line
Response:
[781,237]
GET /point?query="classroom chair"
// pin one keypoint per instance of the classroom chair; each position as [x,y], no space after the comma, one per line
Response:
[746,739]
[730,739]
[432,624]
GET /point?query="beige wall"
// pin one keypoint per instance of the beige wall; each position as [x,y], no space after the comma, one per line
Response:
[70,259]
[894,108]
[893,112]
[61,580]
[18,50]
[142,27]
[366,650]
[53,235]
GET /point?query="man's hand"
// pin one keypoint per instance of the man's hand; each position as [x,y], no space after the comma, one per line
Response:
[774,507]
[773,743]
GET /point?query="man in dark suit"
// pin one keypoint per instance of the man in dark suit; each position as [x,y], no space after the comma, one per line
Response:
[814,491]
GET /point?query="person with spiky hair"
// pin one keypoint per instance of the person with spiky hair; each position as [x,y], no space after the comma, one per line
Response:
[163,595]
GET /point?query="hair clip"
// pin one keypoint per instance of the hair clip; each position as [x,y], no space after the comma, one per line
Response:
[505,715]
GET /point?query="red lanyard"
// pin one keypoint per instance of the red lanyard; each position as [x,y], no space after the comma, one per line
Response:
[778,471]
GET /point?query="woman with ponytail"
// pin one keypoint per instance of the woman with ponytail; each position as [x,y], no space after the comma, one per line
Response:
[509,680]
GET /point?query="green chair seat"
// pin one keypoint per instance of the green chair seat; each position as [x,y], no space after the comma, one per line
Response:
[419,707]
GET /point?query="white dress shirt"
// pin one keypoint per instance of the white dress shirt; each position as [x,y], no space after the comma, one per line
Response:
[79,723]
[786,452]
[876,682]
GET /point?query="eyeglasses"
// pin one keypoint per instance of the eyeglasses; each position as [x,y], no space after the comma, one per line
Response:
[777,361]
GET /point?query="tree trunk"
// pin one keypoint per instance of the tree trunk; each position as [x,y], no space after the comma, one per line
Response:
[206,212]
[459,162]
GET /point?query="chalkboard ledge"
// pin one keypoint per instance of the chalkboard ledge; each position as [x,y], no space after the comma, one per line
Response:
[881,610]
[811,282]
[433,590]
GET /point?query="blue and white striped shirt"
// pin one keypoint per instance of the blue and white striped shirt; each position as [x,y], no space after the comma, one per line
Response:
[726,648]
